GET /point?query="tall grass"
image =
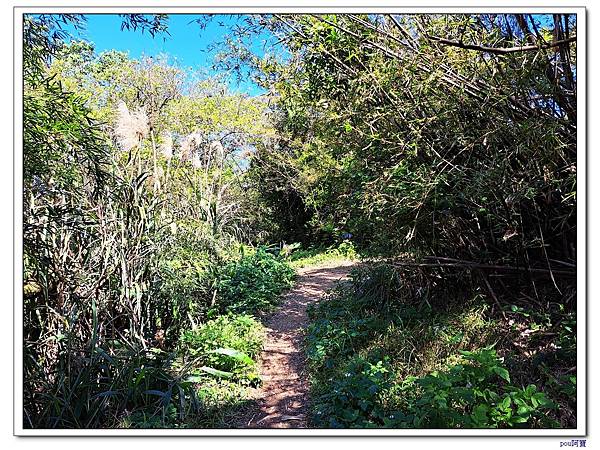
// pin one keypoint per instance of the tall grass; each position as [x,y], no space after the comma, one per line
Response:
[120,260]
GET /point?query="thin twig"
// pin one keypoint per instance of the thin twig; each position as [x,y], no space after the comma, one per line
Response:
[487,283]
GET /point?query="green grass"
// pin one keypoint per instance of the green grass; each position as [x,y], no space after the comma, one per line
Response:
[320,256]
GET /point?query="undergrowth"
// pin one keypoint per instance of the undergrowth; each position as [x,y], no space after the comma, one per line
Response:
[203,357]
[253,283]
[381,354]
[216,362]
[206,379]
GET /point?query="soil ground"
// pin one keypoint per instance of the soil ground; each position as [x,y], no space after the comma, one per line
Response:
[281,401]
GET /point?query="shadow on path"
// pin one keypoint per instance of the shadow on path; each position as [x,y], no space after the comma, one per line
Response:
[281,401]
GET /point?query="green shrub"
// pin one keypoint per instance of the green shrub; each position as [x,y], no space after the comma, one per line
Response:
[185,285]
[253,283]
[475,393]
[346,248]
[353,400]
[226,347]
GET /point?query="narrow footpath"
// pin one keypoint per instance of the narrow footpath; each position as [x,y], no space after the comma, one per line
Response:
[282,399]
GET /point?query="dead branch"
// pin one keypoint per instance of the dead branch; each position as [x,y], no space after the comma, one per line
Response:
[444,262]
[489,286]
[500,50]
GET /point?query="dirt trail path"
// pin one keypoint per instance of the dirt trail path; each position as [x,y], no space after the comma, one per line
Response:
[281,401]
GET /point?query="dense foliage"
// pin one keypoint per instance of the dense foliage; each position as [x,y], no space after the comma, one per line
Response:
[253,282]
[447,143]
[441,145]
[134,215]
[410,141]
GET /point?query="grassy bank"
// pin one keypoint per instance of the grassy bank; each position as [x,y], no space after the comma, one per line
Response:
[315,256]
[382,354]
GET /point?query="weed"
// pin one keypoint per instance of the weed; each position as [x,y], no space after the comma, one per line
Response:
[299,258]
[353,398]
[473,394]
[378,358]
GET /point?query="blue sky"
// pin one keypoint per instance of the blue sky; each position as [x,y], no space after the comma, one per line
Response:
[187,43]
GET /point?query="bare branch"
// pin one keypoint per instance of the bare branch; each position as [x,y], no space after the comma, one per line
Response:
[499,50]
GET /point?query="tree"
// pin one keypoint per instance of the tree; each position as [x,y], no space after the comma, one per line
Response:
[445,134]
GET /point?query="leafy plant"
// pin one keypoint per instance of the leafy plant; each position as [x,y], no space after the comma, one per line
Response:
[475,394]
[353,400]
[254,282]
[434,370]
[225,347]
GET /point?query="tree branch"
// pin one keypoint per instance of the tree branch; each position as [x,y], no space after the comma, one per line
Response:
[443,262]
[500,50]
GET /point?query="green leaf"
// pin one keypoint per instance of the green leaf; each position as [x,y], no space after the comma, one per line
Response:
[215,372]
[502,373]
[155,392]
[106,394]
[350,414]
[480,413]
[235,354]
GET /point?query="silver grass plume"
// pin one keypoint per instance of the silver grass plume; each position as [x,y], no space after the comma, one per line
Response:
[196,162]
[166,148]
[132,127]
[190,145]
[216,149]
